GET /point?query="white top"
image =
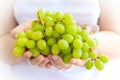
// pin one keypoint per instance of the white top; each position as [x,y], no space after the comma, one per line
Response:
[84,11]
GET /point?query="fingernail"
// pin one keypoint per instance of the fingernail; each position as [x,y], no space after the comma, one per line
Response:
[16,36]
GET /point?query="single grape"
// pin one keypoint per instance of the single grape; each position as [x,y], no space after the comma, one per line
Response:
[38,27]
[85,55]
[21,34]
[78,36]
[55,49]
[96,40]
[91,42]
[41,44]
[72,29]
[35,52]
[47,18]
[37,35]
[48,13]
[68,37]
[30,44]
[99,64]
[59,28]
[51,41]
[93,54]
[49,23]
[79,29]
[29,33]
[63,44]
[77,53]
[84,34]
[77,43]
[104,58]
[48,31]
[55,34]
[19,51]
[85,47]
[21,42]
[46,51]
[89,64]
[67,58]
[66,51]
[58,16]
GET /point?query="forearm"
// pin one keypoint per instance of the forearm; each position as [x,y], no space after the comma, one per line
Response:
[6,50]
[7,20]
[109,44]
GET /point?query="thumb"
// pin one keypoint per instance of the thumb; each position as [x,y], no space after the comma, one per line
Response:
[22,27]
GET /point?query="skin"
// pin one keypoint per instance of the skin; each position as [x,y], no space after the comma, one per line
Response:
[110,32]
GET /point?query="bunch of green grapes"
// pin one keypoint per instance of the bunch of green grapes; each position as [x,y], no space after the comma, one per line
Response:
[58,34]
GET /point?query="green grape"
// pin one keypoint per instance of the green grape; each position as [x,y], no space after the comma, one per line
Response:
[30,44]
[79,29]
[63,44]
[55,49]
[72,29]
[49,23]
[48,31]
[104,58]
[85,47]
[84,34]
[29,33]
[59,28]
[77,53]
[38,27]
[46,51]
[68,16]
[41,44]
[51,41]
[66,51]
[68,37]
[58,15]
[48,18]
[21,34]
[19,51]
[21,42]
[37,35]
[77,43]
[89,64]
[91,42]
[93,54]
[67,58]
[48,13]
[35,52]
[99,64]
[85,55]
[78,36]
[55,34]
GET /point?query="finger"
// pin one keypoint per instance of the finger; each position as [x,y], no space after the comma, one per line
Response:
[44,62]
[58,61]
[52,62]
[92,28]
[27,54]
[77,62]
[23,27]
[38,60]
[49,65]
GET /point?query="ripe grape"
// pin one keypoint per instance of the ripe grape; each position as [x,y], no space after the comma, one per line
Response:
[21,34]
[99,64]
[55,49]
[93,54]
[77,53]
[35,52]
[104,58]
[89,64]
[68,37]
[37,35]
[41,44]
[30,44]
[77,43]
[19,51]
[21,42]
[63,44]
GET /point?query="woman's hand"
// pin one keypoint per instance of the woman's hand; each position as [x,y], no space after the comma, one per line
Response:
[40,61]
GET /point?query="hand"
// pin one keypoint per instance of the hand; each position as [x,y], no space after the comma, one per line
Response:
[91,28]
[40,61]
